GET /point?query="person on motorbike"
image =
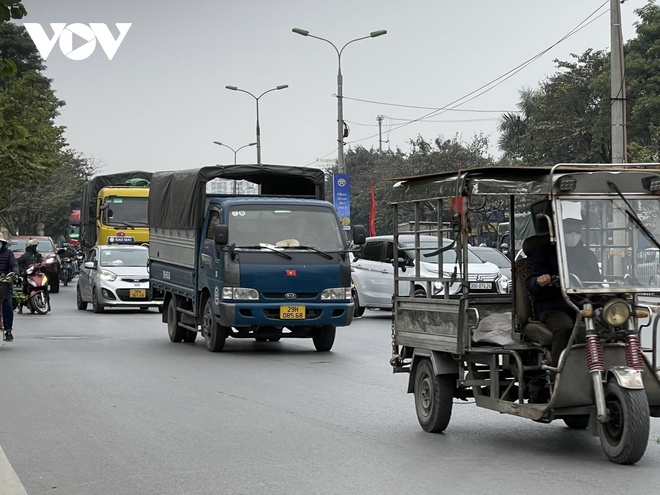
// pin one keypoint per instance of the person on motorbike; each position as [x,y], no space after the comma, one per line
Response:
[550,307]
[7,264]
[30,256]
[70,252]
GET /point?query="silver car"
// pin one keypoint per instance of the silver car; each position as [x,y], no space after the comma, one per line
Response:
[115,276]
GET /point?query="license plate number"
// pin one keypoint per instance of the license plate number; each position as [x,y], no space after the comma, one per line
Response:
[137,293]
[480,285]
[292,312]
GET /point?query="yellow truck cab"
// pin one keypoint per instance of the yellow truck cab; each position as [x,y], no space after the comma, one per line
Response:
[114,209]
[122,215]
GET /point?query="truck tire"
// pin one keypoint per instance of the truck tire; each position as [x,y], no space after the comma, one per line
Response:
[175,332]
[214,335]
[324,338]
[434,395]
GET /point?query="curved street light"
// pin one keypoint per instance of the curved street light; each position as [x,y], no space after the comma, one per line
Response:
[256,99]
[341,164]
[235,152]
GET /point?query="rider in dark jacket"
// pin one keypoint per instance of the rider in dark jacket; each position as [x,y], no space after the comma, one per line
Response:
[7,264]
[30,255]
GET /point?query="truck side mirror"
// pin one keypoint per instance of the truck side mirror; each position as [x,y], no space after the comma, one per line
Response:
[359,235]
[221,235]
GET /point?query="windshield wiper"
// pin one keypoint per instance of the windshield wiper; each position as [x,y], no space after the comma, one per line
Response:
[632,215]
[266,246]
[312,248]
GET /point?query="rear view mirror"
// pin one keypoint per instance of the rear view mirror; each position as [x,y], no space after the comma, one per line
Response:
[359,235]
[90,265]
[401,262]
[221,235]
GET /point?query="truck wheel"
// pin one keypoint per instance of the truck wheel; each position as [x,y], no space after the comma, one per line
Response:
[434,396]
[324,337]
[54,284]
[625,436]
[82,305]
[175,332]
[96,306]
[214,334]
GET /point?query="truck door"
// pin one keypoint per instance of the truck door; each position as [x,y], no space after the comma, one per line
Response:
[210,259]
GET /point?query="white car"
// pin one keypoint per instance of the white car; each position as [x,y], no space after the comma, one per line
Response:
[373,271]
[116,276]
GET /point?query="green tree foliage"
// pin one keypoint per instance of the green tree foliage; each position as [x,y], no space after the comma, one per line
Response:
[50,202]
[568,118]
[426,157]
[40,177]
[559,122]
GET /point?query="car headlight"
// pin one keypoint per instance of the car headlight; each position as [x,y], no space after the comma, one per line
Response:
[50,261]
[616,312]
[337,294]
[108,275]
[240,293]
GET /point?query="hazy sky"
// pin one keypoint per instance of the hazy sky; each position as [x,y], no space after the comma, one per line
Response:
[161,101]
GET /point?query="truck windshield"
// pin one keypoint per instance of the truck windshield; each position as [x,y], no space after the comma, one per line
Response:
[287,226]
[604,247]
[125,211]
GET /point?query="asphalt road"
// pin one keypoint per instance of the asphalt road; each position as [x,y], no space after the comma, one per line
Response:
[105,404]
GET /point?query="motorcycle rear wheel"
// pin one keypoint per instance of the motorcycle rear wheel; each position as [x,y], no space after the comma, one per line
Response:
[39,303]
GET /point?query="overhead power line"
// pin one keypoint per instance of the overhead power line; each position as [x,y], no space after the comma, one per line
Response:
[499,80]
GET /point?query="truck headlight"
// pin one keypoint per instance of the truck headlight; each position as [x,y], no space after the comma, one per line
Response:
[108,275]
[338,294]
[240,293]
[616,312]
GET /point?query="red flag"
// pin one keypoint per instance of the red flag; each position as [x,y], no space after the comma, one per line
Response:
[372,213]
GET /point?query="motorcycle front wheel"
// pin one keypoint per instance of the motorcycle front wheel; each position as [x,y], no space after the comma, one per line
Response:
[39,303]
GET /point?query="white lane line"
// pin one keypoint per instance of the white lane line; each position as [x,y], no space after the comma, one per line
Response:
[9,482]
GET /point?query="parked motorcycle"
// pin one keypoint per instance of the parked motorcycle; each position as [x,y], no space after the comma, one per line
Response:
[37,288]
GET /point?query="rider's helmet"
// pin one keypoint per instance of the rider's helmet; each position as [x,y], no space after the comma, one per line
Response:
[32,242]
[504,246]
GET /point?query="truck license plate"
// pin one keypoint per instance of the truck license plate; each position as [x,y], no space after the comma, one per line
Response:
[480,285]
[137,293]
[292,312]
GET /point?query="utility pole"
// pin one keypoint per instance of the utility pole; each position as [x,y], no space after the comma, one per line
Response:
[380,132]
[617,86]
[618,116]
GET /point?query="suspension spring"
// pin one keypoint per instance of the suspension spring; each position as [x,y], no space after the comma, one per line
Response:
[594,354]
[634,357]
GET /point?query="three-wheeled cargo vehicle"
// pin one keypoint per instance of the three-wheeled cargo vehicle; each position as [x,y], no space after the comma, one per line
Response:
[494,347]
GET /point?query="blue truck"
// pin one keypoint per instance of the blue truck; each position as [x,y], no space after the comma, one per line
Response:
[264,266]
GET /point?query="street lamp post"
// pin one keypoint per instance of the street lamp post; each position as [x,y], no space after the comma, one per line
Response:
[341,163]
[256,99]
[235,152]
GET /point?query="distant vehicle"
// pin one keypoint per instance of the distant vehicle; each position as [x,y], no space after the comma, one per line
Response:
[114,209]
[494,256]
[115,276]
[373,271]
[48,250]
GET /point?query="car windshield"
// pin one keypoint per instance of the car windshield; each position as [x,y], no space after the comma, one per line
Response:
[288,226]
[123,257]
[494,257]
[125,211]
[448,256]
[608,247]
[45,246]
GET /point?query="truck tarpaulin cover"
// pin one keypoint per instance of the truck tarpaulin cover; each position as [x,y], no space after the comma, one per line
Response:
[177,200]
[90,192]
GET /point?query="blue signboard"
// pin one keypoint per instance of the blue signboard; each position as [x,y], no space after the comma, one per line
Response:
[342,198]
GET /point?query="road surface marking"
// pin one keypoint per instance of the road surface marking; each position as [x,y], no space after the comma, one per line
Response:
[9,482]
